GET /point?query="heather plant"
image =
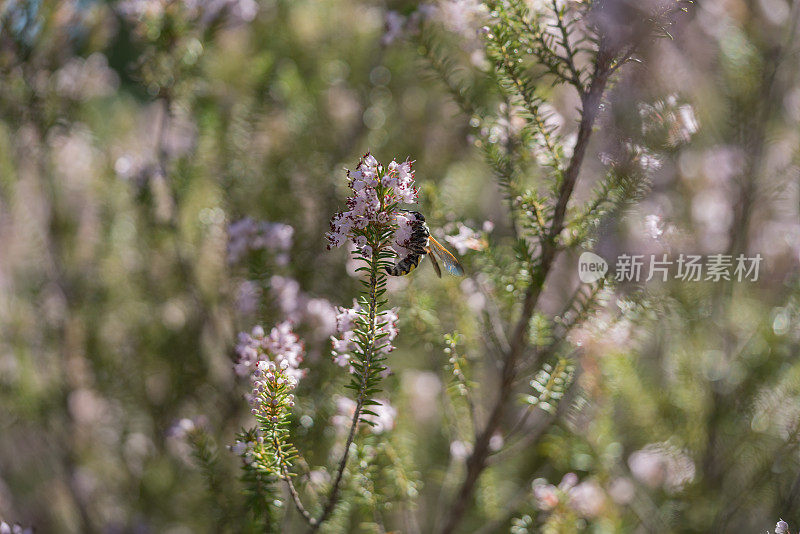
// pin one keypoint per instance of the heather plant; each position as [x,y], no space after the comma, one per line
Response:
[199,326]
[538,216]
[581,47]
[373,224]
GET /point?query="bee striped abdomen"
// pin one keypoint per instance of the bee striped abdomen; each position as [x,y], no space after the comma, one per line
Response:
[417,244]
[405,266]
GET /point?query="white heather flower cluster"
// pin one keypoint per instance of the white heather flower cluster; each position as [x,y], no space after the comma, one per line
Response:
[237,11]
[631,154]
[677,120]
[585,498]
[182,428]
[270,384]
[245,449]
[344,342]
[82,79]
[248,295]
[461,17]
[12,528]
[247,235]
[138,9]
[654,226]
[298,307]
[280,347]
[371,183]
[647,160]
[203,11]
[382,421]
[662,465]
[467,238]
[397,26]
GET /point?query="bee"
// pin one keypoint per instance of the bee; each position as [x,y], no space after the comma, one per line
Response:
[423,244]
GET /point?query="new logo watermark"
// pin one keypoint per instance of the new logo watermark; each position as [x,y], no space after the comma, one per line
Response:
[686,267]
[591,267]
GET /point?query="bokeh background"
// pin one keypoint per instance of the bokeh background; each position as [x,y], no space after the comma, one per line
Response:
[168,170]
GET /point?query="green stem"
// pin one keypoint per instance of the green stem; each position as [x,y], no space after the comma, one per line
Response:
[286,476]
[361,397]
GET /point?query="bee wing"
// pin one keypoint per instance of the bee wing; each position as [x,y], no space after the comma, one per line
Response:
[450,262]
[435,263]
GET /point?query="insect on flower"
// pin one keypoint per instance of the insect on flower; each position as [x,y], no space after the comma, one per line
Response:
[421,243]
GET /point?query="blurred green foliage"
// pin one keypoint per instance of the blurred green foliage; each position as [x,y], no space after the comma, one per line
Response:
[132,134]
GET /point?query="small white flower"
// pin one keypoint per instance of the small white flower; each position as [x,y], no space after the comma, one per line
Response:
[460,449]
[238,448]
[587,499]
[654,226]
[466,239]
[546,495]
[661,464]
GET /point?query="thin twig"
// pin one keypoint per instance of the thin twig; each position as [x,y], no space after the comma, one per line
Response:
[569,61]
[591,105]
[493,315]
[466,392]
[530,104]
[545,53]
[295,496]
[543,422]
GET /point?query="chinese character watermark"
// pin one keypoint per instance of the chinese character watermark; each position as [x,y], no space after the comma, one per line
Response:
[686,268]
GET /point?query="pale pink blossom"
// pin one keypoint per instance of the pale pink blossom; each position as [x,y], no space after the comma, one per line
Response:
[393,24]
[460,449]
[549,496]
[383,421]
[247,235]
[654,226]
[384,417]
[320,315]
[82,79]
[247,297]
[297,306]
[396,185]
[476,300]
[13,528]
[662,465]
[346,322]
[402,236]
[622,490]
[201,12]
[281,345]
[546,496]
[269,380]
[345,408]
[678,121]
[422,389]
[466,239]
[319,478]
[286,294]
[587,499]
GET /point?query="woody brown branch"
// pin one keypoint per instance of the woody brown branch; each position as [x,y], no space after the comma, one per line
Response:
[477,461]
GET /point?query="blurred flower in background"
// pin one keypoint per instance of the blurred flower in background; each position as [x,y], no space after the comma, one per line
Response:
[167,171]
